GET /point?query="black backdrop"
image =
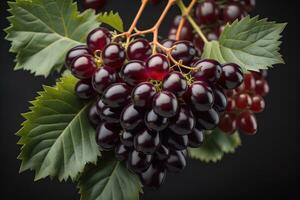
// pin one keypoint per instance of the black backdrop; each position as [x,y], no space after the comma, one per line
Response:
[265,167]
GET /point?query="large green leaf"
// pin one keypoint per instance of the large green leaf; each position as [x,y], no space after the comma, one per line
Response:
[215,145]
[42,31]
[251,43]
[112,19]
[109,180]
[57,138]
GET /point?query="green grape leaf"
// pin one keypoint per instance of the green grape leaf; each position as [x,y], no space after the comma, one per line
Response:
[109,180]
[42,31]
[252,43]
[57,139]
[215,146]
[112,19]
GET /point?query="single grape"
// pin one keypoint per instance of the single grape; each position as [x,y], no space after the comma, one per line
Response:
[258,104]
[155,122]
[168,43]
[143,94]
[246,122]
[262,87]
[212,35]
[184,122]
[154,176]
[249,4]
[183,51]
[231,105]
[176,162]
[104,77]
[134,72]
[200,96]
[122,152]
[127,138]
[93,4]
[116,95]
[74,53]
[113,55]
[207,70]
[147,141]
[175,83]
[83,67]
[196,138]
[84,89]
[93,116]
[249,82]
[232,76]
[208,120]
[139,49]
[198,43]
[110,114]
[231,12]
[206,12]
[162,153]
[175,141]
[228,123]
[138,162]
[157,66]
[131,118]
[220,102]
[107,135]
[98,39]
[243,101]
[165,104]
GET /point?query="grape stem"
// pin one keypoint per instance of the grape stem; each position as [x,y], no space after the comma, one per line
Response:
[186,14]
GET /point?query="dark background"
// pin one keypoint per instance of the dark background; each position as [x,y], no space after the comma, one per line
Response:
[265,167]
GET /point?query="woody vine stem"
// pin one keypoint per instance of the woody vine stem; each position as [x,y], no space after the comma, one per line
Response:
[185,12]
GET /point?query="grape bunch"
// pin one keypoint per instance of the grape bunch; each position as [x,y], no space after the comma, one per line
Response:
[148,111]
[243,103]
[211,16]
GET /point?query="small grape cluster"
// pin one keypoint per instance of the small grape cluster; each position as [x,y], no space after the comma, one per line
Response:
[211,16]
[243,102]
[148,110]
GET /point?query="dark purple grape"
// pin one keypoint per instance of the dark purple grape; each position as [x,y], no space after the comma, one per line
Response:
[207,12]
[84,89]
[107,135]
[134,72]
[139,49]
[168,43]
[142,95]
[196,138]
[184,122]
[231,12]
[114,55]
[116,95]
[162,153]
[200,96]
[110,115]
[93,116]
[157,66]
[207,70]
[74,53]
[138,162]
[220,102]
[122,152]
[175,83]
[98,39]
[147,141]
[212,35]
[165,104]
[155,122]
[176,162]
[104,77]
[198,43]
[93,4]
[232,76]
[127,138]
[175,141]
[183,51]
[100,105]
[131,118]
[83,67]
[208,120]
[154,176]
